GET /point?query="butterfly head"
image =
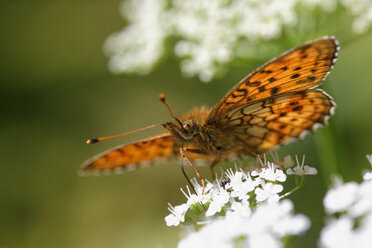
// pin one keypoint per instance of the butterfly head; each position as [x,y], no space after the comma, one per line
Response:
[185,130]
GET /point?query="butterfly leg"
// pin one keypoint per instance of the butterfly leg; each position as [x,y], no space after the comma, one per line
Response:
[214,162]
[183,157]
[242,147]
[183,170]
[250,150]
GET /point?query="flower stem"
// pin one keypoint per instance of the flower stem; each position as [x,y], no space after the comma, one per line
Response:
[290,192]
[300,182]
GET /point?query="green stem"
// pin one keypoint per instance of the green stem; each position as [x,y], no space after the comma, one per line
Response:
[290,192]
[300,182]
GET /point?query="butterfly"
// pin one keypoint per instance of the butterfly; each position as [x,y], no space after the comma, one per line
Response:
[275,104]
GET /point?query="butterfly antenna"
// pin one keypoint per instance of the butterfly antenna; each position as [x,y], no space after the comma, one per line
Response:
[162,99]
[92,141]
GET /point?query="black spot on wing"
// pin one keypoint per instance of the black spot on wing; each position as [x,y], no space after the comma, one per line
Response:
[274,90]
[295,76]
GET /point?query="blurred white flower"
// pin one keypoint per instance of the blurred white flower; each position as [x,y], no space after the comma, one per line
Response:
[350,222]
[328,6]
[210,29]
[362,11]
[219,233]
[209,34]
[278,217]
[340,198]
[258,229]
[363,203]
[338,233]
[240,209]
[367,175]
[139,45]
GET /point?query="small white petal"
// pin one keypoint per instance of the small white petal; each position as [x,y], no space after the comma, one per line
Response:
[310,170]
[290,171]
[177,215]
[272,173]
[242,189]
[300,169]
[219,198]
[255,173]
[235,178]
[268,190]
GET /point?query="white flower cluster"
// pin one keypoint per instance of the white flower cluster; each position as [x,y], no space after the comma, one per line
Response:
[242,207]
[263,228]
[209,31]
[139,45]
[362,11]
[352,204]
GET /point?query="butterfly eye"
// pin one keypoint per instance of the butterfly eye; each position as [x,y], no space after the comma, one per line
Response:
[189,127]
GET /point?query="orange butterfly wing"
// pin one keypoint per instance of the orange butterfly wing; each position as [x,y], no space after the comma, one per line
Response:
[155,149]
[275,103]
[299,69]
[265,124]
[130,156]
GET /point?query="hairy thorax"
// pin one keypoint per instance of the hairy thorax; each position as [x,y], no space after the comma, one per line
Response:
[190,132]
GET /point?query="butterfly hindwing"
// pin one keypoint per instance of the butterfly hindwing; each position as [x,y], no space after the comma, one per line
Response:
[130,156]
[265,124]
[160,148]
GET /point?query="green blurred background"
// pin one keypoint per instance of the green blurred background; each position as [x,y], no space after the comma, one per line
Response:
[56,92]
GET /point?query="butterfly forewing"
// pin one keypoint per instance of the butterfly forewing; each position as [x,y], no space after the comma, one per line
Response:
[299,69]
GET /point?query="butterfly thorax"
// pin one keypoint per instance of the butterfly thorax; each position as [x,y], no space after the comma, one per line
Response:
[190,132]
